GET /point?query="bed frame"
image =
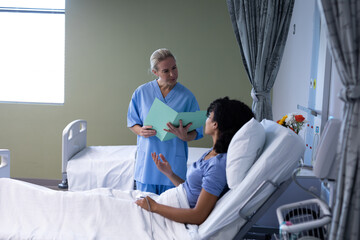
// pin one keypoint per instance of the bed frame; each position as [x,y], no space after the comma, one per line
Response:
[4,163]
[74,141]
[74,138]
[250,230]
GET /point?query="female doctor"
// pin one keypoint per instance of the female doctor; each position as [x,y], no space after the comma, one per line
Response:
[175,95]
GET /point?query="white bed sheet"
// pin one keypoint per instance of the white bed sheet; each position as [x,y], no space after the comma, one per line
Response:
[28,211]
[102,166]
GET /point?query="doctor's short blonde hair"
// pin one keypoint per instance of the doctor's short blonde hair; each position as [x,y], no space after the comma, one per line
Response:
[158,56]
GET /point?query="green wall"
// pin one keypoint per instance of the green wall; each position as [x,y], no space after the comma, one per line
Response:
[108,45]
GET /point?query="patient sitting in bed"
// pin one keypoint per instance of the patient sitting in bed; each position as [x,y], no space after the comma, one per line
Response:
[206,178]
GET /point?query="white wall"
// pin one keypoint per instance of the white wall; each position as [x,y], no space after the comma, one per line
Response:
[292,82]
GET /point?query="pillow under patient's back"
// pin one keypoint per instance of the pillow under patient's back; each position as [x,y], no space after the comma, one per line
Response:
[245,147]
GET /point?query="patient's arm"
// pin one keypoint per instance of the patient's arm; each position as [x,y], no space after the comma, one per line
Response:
[164,167]
[196,215]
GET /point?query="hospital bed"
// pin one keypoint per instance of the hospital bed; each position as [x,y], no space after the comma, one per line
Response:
[259,167]
[88,167]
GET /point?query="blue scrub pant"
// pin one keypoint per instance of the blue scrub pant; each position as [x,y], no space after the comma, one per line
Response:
[158,189]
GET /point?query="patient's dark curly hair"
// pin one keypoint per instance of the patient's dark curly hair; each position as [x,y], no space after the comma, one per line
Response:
[230,115]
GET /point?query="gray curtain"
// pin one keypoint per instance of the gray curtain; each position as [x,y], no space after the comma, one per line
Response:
[261,28]
[343,23]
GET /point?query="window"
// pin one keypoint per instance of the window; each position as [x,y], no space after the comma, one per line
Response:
[32,51]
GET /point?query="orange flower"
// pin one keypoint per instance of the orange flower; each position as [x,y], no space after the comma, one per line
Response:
[299,118]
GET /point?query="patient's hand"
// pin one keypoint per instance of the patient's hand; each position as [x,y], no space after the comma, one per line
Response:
[147,205]
[162,164]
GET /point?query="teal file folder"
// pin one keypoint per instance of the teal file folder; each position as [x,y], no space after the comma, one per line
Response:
[160,114]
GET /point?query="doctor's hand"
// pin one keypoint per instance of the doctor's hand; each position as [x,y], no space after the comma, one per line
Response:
[147,131]
[181,131]
[162,164]
[148,205]
[144,131]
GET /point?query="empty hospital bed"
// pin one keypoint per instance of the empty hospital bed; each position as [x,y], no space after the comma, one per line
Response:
[258,180]
[88,167]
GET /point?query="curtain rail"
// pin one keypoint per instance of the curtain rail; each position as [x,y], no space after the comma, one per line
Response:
[32,10]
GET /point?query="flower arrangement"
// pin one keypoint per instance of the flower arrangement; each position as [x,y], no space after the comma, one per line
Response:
[293,121]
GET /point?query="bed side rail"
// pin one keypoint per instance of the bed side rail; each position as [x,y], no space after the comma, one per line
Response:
[258,190]
[253,217]
[73,141]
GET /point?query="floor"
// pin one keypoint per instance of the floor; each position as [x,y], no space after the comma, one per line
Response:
[49,183]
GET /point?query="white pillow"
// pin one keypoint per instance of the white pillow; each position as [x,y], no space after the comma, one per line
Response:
[245,147]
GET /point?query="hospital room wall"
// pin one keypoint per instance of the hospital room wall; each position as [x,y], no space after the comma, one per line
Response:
[293,81]
[291,85]
[107,49]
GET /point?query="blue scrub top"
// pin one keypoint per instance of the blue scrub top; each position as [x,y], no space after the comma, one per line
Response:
[175,150]
[209,175]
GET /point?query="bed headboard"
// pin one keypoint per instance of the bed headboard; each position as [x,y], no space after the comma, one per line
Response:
[73,140]
[4,163]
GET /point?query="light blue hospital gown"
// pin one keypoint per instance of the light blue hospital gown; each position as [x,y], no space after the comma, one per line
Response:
[209,175]
[174,150]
